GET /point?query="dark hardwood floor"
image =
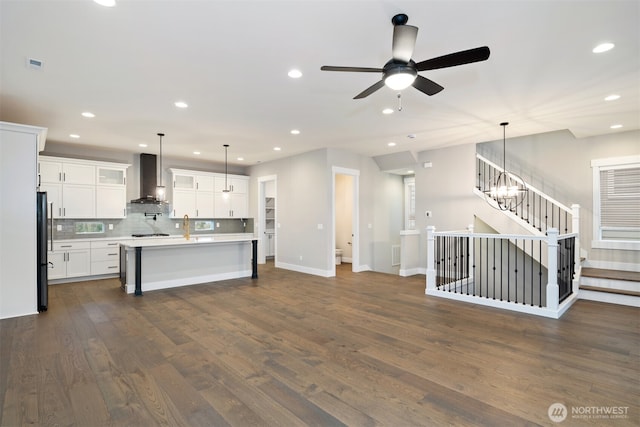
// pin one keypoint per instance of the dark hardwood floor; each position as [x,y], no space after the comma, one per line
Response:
[291,349]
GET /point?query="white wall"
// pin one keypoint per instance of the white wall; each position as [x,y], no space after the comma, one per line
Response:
[560,165]
[304,200]
[555,162]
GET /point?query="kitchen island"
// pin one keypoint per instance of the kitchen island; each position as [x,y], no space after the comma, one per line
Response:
[161,263]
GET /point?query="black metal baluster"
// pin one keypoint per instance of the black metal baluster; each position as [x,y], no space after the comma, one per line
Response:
[540,273]
[494,268]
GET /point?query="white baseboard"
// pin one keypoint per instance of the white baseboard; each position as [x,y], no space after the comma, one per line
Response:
[303,269]
[176,283]
[406,272]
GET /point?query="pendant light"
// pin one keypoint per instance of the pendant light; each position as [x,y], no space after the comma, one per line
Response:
[160,190]
[226,190]
[506,190]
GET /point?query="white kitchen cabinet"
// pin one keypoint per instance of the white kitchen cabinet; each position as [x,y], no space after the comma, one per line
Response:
[78,201]
[111,201]
[70,259]
[49,171]
[54,199]
[234,183]
[82,189]
[184,203]
[192,194]
[105,257]
[231,205]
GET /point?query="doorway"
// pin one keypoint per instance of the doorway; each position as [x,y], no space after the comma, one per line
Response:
[267,219]
[345,242]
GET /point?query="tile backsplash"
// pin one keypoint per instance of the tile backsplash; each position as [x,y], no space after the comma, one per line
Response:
[147,219]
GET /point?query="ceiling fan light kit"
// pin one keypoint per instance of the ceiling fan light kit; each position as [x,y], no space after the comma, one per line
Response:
[401,71]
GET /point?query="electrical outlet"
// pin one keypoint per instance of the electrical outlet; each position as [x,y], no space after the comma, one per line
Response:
[59,227]
[320,226]
[300,257]
[217,225]
[110,226]
[177,225]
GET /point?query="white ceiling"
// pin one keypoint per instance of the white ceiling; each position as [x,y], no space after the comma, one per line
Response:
[229,61]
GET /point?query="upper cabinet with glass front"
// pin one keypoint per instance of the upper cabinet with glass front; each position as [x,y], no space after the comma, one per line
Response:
[111,175]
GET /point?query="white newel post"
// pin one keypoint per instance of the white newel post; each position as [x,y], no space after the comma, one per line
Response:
[553,290]
[431,259]
[575,228]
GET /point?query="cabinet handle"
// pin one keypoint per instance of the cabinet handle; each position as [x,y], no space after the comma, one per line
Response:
[197,185]
[112,266]
[112,244]
[112,254]
[197,212]
[39,181]
[59,176]
[124,180]
[51,224]
[66,246]
[64,176]
[64,211]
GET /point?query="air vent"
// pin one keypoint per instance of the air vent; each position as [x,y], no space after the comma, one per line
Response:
[35,64]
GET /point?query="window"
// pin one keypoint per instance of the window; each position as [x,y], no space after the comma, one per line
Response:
[203,225]
[616,203]
[89,227]
[410,203]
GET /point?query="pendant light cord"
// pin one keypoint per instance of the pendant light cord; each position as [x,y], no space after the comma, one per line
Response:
[160,172]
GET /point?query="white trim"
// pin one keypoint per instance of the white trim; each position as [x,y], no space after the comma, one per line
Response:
[307,270]
[262,180]
[188,281]
[490,302]
[529,187]
[598,165]
[412,271]
[609,298]
[355,225]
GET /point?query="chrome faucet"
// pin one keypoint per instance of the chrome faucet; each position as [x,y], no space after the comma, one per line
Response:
[185,226]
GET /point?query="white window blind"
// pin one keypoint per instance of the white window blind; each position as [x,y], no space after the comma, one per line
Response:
[617,202]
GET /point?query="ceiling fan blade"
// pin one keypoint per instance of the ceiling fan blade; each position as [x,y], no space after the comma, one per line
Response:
[352,69]
[368,91]
[427,86]
[453,59]
[404,40]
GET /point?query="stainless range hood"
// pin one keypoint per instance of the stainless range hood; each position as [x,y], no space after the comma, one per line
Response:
[148,179]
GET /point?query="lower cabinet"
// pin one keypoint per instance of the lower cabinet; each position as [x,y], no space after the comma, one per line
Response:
[105,257]
[69,260]
[84,259]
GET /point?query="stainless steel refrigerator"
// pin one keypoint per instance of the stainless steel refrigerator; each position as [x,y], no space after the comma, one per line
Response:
[43,240]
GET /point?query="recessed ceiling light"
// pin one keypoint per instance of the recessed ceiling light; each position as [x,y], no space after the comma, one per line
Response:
[276,148]
[196,153]
[181,104]
[387,111]
[616,126]
[603,47]
[74,135]
[295,132]
[142,145]
[240,158]
[88,114]
[295,74]
[391,144]
[106,3]
[612,97]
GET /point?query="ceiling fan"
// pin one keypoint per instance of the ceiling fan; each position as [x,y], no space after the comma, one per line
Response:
[401,71]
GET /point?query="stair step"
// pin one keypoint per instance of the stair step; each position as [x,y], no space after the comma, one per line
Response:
[610,290]
[600,273]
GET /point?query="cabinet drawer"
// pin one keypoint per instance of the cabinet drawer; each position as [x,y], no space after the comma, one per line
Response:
[69,246]
[97,244]
[105,267]
[105,254]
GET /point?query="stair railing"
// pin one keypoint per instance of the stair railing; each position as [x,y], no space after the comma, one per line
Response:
[538,212]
